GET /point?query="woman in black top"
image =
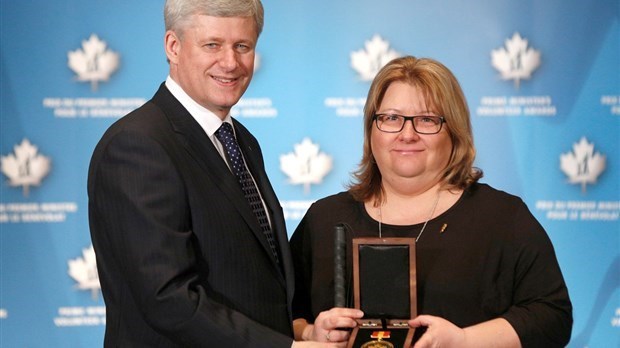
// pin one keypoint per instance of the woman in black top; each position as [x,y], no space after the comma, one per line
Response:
[487,274]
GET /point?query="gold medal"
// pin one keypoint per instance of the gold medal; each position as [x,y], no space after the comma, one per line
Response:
[379,343]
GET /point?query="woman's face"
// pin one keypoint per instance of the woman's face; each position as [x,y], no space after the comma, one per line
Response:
[408,155]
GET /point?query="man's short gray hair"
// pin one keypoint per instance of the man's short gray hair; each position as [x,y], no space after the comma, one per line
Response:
[178,12]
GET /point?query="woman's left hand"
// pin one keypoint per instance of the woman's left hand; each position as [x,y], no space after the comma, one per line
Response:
[439,332]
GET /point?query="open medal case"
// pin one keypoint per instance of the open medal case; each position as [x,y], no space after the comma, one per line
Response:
[384,288]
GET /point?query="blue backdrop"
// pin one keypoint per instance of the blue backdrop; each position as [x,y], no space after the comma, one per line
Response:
[542,79]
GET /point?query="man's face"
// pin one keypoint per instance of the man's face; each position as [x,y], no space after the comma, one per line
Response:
[214,60]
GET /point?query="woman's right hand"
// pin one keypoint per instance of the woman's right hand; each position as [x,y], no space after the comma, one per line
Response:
[328,324]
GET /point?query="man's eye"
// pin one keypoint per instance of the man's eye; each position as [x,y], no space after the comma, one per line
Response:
[244,48]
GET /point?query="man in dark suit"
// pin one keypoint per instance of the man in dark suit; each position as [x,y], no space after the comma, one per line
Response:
[183,259]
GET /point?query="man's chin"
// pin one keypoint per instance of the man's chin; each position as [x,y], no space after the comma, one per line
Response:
[228,105]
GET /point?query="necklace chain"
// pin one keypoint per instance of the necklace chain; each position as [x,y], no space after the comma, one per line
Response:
[423,226]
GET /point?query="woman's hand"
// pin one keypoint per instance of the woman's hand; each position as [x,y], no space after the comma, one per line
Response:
[327,324]
[439,332]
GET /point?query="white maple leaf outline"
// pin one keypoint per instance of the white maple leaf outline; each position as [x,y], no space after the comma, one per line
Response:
[515,61]
[582,166]
[84,271]
[368,62]
[26,167]
[93,62]
[306,165]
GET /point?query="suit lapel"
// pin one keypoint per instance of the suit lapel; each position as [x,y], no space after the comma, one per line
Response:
[200,147]
[253,155]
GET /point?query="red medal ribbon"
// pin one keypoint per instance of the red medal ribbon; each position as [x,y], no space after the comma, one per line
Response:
[380,334]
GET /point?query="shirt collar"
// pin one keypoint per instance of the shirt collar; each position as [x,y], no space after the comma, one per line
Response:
[209,121]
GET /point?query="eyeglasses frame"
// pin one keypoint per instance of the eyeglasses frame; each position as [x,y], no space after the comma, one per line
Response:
[409,118]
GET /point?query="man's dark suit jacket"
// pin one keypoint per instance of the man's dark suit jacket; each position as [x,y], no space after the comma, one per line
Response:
[181,258]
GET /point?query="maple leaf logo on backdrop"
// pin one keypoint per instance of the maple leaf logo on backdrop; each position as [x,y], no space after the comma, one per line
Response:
[84,271]
[306,166]
[582,166]
[368,62]
[515,61]
[25,167]
[93,62]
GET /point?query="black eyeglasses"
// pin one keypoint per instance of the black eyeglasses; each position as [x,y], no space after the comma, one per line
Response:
[392,123]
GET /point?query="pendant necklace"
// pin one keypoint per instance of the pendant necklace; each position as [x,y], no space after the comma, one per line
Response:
[425,222]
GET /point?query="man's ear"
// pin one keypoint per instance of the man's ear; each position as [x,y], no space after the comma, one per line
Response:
[172,44]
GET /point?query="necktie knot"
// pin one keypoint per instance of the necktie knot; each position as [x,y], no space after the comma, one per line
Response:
[224,130]
[226,136]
